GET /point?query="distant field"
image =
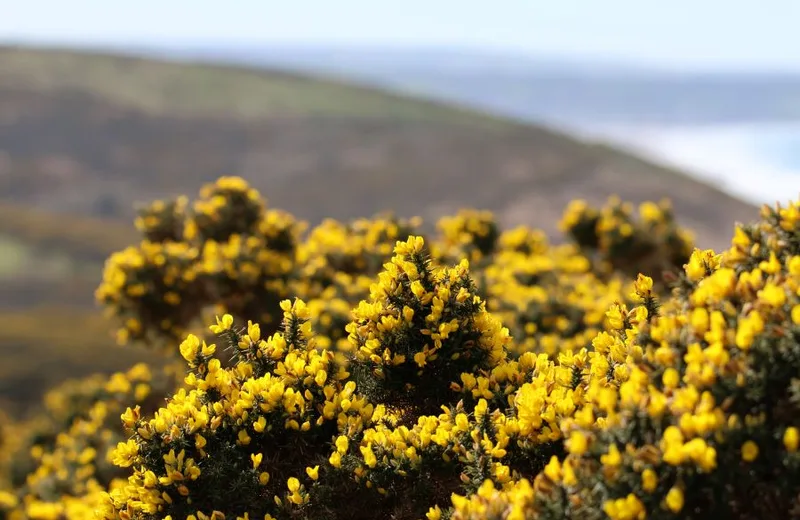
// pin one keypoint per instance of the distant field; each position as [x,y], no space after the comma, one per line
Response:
[42,346]
[18,256]
[24,229]
[13,255]
[48,258]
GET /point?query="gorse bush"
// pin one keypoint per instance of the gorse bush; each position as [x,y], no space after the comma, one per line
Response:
[615,241]
[365,370]
[230,250]
[420,328]
[694,409]
[58,463]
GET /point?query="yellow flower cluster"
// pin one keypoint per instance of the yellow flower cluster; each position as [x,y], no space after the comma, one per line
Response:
[230,251]
[469,234]
[149,288]
[549,297]
[618,240]
[249,272]
[162,221]
[421,325]
[65,466]
[232,434]
[227,207]
[330,311]
[336,265]
[356,248]
[696,406]
[250,258]
[513,502]
[473,374]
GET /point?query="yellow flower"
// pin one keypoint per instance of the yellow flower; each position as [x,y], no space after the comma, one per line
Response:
[671,378]
[260,424]
[243,438]
[126,453]
[342,443]
[253,331]
[700,263]
[642,287]
[749,451]
[190,347]
[7,500]
[616,316]
[749,327]
[796,314]
[130,416]
[773,295]
[313,473]
[335,459]
[674,499]
[649,480]
[222,325]
[578,443]
[791,439]
[612,458]
[740,238]
[628,508]
[553,469]
[649,211]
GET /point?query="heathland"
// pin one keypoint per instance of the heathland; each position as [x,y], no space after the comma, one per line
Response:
[86,136]
[371,369]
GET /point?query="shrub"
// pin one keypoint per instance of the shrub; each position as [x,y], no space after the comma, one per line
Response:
[58,463]
[421,327]
[615,240]
[229,251]
[700,416]
[366,371]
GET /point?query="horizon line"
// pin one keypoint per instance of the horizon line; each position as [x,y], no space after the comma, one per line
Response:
[485,51]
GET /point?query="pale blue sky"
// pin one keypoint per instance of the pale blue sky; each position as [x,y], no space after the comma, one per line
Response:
[682,33]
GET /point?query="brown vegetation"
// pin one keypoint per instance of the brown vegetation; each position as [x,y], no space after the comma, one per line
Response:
[95,134]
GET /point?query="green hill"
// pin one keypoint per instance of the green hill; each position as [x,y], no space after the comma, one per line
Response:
[163,88]
[94,133]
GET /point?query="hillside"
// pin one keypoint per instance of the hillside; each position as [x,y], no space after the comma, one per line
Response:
[561,89]
[84,137]
[93,134]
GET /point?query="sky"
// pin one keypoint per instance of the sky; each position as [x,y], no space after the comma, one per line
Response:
[682,34]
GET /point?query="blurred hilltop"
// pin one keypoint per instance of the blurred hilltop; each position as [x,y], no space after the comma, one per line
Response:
[567,90]
[92,134]
[86,136]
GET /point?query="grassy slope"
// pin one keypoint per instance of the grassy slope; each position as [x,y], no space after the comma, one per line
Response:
[84,129]
[46,257]
[165,88]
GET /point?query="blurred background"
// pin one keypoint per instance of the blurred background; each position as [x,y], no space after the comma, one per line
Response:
[343,109]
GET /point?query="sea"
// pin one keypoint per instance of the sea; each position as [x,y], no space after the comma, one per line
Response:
[758,162]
